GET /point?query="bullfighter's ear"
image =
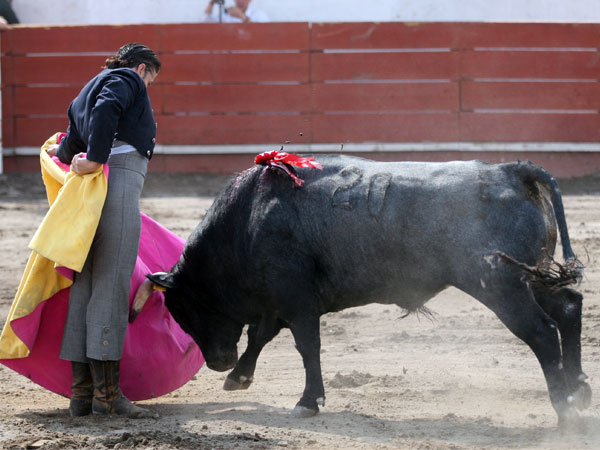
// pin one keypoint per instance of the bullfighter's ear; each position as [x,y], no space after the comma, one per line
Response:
[163,279]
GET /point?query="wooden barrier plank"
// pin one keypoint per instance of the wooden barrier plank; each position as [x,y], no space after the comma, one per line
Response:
[8,122]
[236,98]
[21,164]
[524,95]
[43,100]
[7,69]
[6,42]
[8,133]
[416,127]
[384,66]
[233,129]
[373,35]
[529,127]
[541,35]
[385,96]
[530,64]
[235,68]
[76,70]
[80,39]
[34,131]
[230,36]
[228,164]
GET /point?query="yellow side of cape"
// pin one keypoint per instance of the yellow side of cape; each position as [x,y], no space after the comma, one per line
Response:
[63,239]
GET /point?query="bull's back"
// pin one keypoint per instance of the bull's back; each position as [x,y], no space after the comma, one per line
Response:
[389,230]
[417,207]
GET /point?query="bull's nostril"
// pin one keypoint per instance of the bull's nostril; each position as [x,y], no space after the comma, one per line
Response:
[221,365]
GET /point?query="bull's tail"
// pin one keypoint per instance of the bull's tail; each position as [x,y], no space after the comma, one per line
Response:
[531,172]
[549,274]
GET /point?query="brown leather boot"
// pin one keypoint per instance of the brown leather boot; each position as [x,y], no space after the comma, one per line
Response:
[82,390]
[108,398]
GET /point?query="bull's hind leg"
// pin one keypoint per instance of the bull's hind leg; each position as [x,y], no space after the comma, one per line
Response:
[259,335]
[564,307]
[514,304]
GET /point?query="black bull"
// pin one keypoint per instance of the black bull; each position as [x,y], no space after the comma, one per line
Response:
[271,255]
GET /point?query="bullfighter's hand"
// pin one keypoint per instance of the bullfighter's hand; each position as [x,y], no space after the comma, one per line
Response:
[82,166]
[52,148]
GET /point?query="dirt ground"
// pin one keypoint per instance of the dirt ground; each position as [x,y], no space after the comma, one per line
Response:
[457,381]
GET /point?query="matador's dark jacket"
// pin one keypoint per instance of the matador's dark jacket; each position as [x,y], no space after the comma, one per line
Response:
[113,105]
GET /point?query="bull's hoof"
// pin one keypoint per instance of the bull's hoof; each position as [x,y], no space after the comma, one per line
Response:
[234,385]
[302,412]
[582,397]
[569,422]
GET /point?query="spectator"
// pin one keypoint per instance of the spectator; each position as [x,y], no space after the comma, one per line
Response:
[7,15]
[241,12]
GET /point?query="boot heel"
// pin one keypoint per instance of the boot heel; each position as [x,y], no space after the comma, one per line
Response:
[108,398]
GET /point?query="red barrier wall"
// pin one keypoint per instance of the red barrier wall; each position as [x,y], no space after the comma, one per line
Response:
[233,84]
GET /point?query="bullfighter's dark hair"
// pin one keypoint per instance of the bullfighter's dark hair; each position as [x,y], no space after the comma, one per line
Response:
[132,55]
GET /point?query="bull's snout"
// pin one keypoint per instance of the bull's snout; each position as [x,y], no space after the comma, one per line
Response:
[222,362]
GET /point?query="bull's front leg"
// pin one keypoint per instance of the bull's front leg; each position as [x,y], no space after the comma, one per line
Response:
[308,342]
[259,335]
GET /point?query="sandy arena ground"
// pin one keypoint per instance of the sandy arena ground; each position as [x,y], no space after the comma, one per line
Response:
[457,381]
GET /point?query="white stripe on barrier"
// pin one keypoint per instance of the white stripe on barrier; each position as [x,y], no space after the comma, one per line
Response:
[560,147]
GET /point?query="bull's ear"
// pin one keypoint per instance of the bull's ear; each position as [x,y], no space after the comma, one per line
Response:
[163,279]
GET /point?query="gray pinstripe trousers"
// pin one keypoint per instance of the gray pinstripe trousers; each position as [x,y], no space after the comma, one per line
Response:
[99,298]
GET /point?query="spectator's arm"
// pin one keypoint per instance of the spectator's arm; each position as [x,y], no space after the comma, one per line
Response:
[236,12]
[208,12]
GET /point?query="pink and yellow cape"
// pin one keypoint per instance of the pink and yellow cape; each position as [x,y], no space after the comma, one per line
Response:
[158,356]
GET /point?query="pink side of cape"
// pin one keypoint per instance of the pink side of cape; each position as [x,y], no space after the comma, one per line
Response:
[158,356]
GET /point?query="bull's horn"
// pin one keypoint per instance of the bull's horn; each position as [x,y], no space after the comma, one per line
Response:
[141,297]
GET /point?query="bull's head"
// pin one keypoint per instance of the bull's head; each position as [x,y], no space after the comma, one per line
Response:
[214,332]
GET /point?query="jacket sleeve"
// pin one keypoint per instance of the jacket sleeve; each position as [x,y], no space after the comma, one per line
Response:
[70,145]
[115,97]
